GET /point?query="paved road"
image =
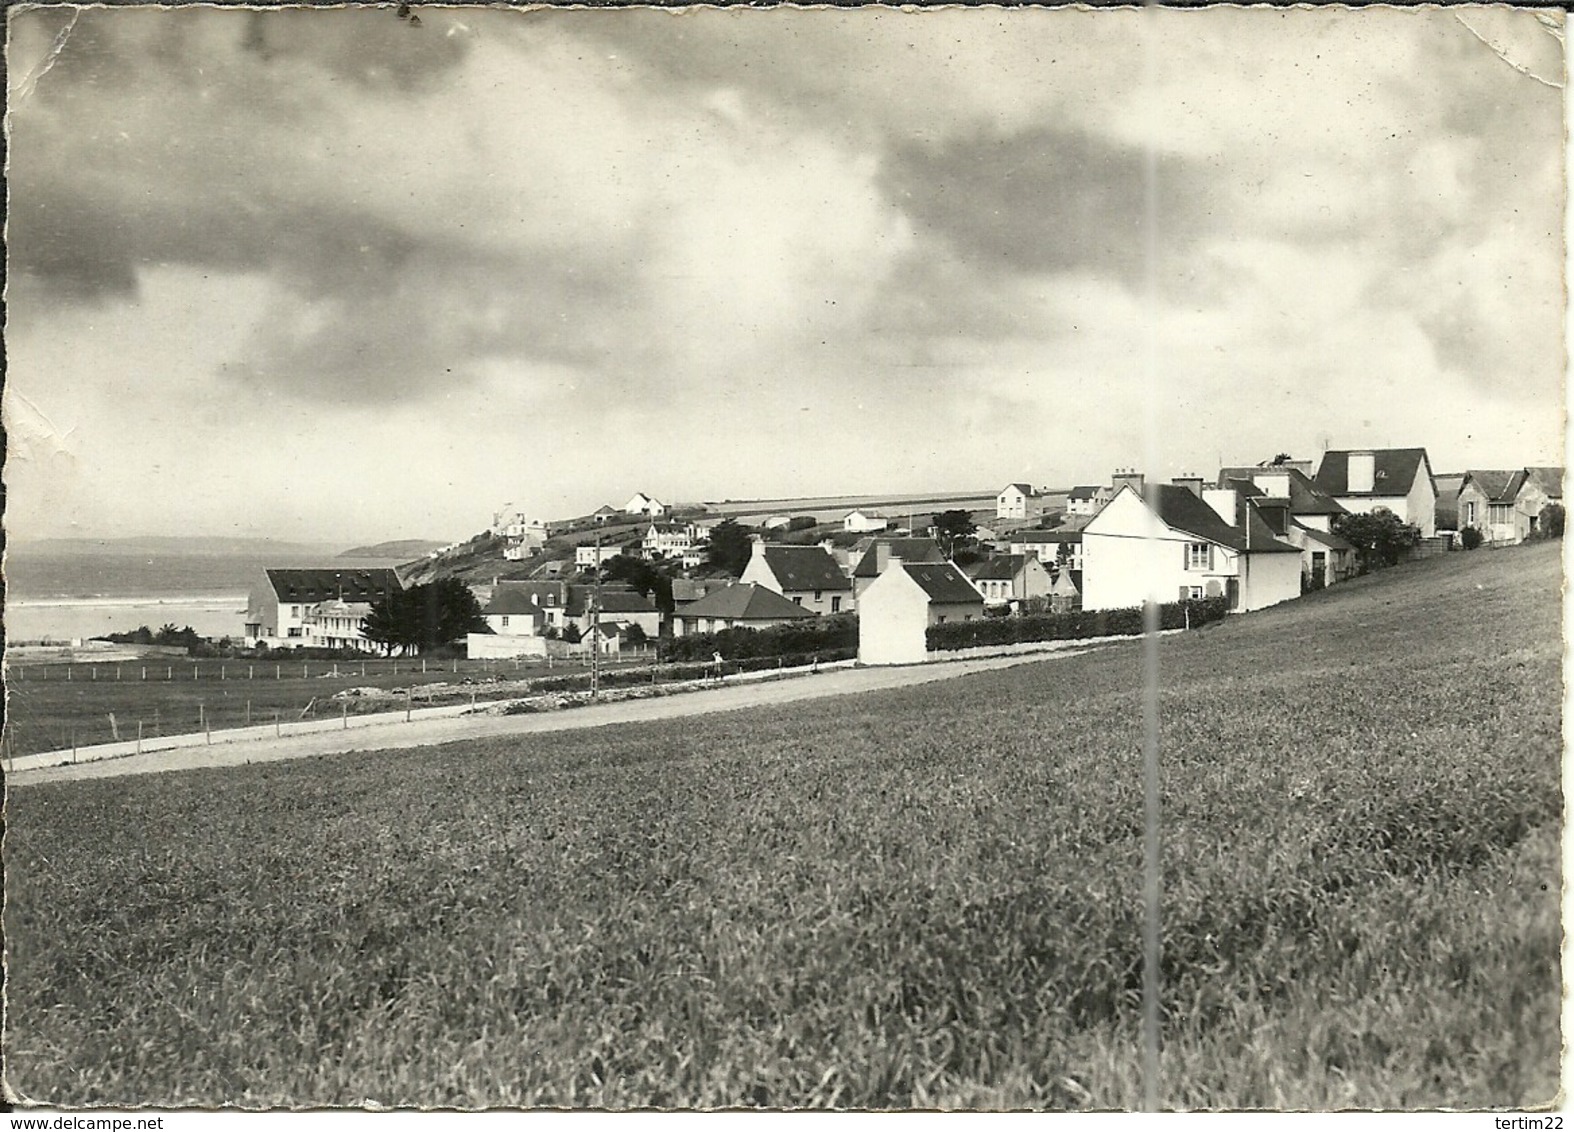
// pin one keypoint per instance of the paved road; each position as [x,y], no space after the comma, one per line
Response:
[428,732]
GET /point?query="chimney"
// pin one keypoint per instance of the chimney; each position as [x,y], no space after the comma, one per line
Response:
[1192,484]
[882,557]
[1136,481]
[1225,503]
[1362,473]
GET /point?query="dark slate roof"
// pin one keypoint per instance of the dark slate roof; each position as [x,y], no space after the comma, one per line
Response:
[1305,498]
[516,597]
[1549,479]
[907,549]
[313,585]
[800,568]
[1498,485]
[618,599]
[1332,541]
[1183,511]
[686,589]
[944,583]
[746,601]
[1026,489]
[1057,535]
[1084,492]
[1394,470]
[1000,568]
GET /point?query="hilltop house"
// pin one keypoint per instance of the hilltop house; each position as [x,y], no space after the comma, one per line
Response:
[1008,579]
[315,608]
[588,556]
[861,522]
[1020,501]
[900,605]
[805,575]
[1398,479]
[668,540]
[1171,542]
[1087,500]
[642,504]
[741,605]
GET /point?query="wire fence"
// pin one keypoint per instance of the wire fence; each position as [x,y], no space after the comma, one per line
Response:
[57,713]
[184,670]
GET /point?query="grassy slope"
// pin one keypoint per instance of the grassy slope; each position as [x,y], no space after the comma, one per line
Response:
[921,897]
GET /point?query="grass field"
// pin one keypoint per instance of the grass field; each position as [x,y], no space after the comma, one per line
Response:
[45,711]
[925,897]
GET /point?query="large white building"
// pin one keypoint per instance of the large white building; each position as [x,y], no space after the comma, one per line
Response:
[1171,542]
[320,608]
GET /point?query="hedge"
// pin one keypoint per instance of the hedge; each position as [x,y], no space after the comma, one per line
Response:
[822,635]
[1071,626]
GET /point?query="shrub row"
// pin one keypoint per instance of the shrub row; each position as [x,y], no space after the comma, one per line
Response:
[822,635]
[1072,626]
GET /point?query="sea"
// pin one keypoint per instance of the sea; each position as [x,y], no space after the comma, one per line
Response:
[63,596]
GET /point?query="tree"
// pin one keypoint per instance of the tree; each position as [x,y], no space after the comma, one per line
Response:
[730,547]
[1550,523]
[641,577]
[424,617]
[571,634]
[1380,538]
[1063,558]
[954,531]
[1470,538]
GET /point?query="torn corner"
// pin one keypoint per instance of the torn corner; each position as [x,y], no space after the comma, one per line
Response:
[1502,50]
[30,81]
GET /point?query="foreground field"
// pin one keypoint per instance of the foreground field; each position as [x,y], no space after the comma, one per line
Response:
[923,897]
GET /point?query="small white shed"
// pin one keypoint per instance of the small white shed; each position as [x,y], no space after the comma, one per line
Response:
[899,606]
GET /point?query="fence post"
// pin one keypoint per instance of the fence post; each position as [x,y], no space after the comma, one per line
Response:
[251,670]
[95,672]
[276,723]
[407,698]
[278,672]
[139,736]
[344,714]
[221,672]
[169,672]
[117,672]
[144,672]
[68,673]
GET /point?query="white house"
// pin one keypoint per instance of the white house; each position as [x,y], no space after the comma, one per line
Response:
[315,608]
[805,575]
[1052,548]
[1007,578]
[1173,545]
[862,522]
[886,553]
[587,555]
[1506,506]
[900,605]
[1398,479]
[1020,501]
[1298,513]
[642,504]
[668,540]
[1088,500]
[742,605]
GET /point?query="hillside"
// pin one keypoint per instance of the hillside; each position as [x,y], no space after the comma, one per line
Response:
[401,549]
[925,897]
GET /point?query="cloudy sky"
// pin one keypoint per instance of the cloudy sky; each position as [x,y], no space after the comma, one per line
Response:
[336,274]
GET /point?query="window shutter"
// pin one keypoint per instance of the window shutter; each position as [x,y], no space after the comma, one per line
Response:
[1210,556]
[1185,592]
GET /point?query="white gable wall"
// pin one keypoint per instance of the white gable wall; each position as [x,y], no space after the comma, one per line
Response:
[1131,556]
[893,614]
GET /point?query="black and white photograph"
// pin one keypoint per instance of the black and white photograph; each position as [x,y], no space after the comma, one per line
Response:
[860,559]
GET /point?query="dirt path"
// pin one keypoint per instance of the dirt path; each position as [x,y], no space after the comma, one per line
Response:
[429,732]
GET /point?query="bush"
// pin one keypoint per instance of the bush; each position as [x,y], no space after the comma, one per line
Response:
[1470,538]
[1072,626]
[822,635]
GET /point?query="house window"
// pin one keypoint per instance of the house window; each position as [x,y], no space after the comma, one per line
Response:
[940,619]
[1194,593]
[817,595]
[1498,513]
[836,605]
[798,600]
[1470,513]
[505,621]
[1199,555]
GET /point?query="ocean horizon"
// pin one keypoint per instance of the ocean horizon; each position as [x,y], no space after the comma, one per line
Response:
[63,597]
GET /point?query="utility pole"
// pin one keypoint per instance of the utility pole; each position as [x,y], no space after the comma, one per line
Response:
[595,624]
